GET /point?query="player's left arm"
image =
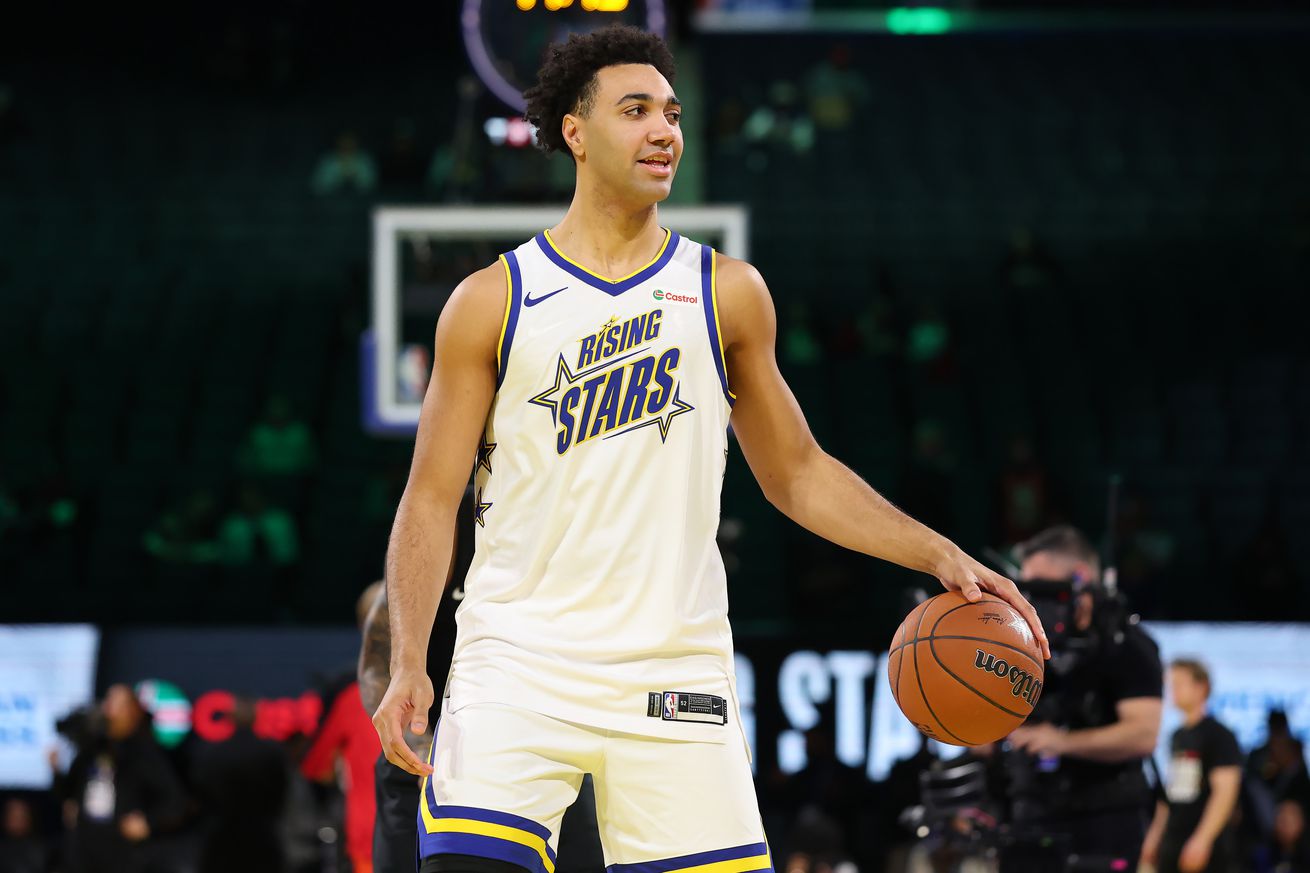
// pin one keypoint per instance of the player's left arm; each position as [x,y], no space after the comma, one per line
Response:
[807,484]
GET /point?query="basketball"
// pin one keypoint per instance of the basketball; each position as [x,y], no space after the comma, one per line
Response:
[965,673]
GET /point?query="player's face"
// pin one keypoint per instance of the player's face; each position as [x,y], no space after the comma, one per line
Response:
[633,137]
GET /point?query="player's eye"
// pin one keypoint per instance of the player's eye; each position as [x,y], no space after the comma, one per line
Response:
[673,117]
[634,111]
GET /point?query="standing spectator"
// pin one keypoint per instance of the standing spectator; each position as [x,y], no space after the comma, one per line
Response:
[121,792]
[1191,833]
[346,167]
[1275,773]
[243,782]
[278,444]
[1279,764]
[21,848]
[348,733]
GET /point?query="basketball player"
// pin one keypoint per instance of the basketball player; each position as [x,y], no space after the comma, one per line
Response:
[588,378]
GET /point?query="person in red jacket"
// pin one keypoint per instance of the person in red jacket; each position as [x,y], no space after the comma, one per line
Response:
[348,732]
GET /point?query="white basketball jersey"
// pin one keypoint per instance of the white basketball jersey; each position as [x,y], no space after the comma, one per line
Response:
[596,578]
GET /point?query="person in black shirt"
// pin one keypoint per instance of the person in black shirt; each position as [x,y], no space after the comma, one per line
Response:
[121,793]
[1191,832]
[243,782]
[1077,776]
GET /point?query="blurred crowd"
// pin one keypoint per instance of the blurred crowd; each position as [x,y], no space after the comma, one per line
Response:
[305,804]
[129,803]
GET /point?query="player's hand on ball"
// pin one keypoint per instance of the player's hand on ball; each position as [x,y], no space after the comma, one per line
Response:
[959,572]
[404,706]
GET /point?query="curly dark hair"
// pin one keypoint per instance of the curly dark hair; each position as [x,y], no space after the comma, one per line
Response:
[566,81]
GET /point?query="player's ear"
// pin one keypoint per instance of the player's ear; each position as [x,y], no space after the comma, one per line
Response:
[572,134]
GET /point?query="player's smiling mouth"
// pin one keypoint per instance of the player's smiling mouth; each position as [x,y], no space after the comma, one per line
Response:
[660,164]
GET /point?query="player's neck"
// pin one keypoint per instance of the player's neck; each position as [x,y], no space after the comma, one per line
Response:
[606,235]
[1192,717]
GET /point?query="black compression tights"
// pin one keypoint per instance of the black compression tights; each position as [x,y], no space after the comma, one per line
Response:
[446,863]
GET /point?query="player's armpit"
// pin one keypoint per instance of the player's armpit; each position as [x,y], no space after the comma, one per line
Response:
[766,418]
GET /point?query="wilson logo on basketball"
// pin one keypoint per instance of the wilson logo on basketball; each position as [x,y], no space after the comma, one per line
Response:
[674,296]
[1022,683]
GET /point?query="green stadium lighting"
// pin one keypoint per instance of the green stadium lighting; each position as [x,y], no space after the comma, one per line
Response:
[921,21]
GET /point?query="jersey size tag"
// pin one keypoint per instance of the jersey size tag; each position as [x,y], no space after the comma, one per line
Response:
[682,706]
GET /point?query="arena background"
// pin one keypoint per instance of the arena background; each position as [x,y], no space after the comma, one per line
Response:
[1017,252]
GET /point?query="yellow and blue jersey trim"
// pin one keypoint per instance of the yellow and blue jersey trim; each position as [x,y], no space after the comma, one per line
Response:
[709,296]
[486,833]
[613,287]
[513,303]
[739,859]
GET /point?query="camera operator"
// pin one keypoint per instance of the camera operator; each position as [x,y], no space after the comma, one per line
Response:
[121,791]
[1076,768]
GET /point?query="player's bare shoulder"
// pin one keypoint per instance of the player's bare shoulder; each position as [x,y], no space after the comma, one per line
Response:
[745,306]
[470,321]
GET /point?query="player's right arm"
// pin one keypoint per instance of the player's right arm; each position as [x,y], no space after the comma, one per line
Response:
[423,536]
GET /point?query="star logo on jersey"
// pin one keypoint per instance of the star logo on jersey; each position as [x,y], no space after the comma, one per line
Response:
[480,510]
[545,400]
[614,398]
[484,456]
[679,407]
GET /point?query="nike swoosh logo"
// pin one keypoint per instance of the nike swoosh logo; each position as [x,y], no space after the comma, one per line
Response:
[529,300]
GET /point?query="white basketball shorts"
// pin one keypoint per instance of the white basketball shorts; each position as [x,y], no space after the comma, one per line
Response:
[503,777]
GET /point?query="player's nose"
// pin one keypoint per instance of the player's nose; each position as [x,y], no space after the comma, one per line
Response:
[663,134]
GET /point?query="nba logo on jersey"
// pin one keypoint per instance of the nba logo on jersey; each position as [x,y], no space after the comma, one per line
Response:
[670,705]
